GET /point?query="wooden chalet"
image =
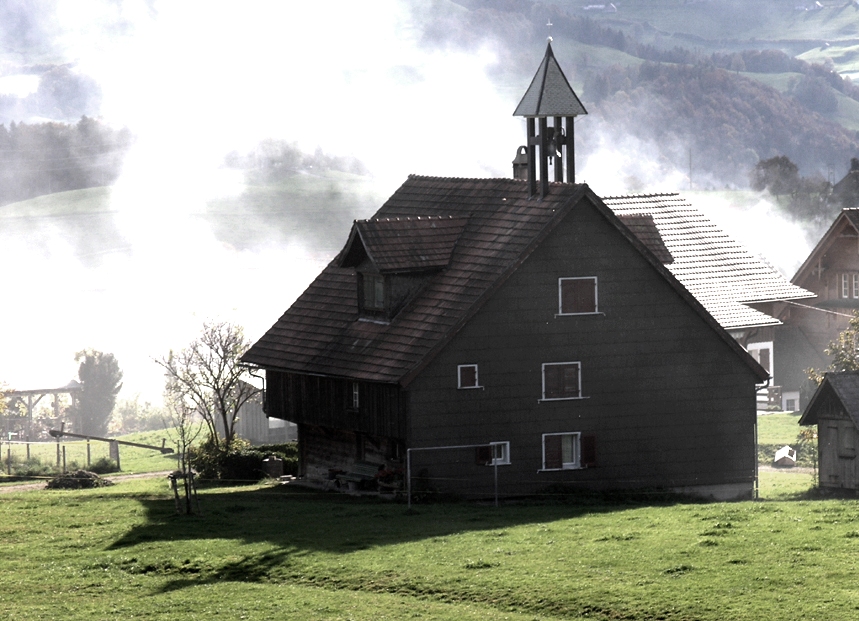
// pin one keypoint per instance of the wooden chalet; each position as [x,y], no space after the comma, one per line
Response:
[831,272]
[834,408]
[515,332]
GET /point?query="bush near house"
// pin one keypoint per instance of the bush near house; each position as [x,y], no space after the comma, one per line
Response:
[241,461]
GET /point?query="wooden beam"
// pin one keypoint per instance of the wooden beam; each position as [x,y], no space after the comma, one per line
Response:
[571,150]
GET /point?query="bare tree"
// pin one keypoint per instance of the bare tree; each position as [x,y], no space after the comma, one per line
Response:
[206,378]
[184,427]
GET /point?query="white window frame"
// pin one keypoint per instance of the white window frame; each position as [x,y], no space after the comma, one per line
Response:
[356,395]
[856,286]
[459,385]
[576,464]
[500,454]
[845,286]
[554,364]
[595,311]
[755,350]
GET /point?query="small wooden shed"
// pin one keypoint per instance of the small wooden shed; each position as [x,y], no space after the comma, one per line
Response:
[834,408]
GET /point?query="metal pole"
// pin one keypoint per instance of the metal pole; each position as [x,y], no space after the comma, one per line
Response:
[64,460]
[88,462]
[409,475]
[495,464]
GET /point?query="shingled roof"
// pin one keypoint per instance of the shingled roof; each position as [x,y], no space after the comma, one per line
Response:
[321,334]
[403,244]
[549,94]
[844,387]
[718,271]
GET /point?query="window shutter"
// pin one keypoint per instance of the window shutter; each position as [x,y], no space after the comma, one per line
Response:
[483,455]
[589,451]
[765,358]
[571,380]
[552,451]
[552,381]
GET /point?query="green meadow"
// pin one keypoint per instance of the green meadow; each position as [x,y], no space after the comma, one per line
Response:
[268,551]
[263,552]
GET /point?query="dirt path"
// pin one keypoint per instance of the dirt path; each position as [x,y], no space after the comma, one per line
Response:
[116,478]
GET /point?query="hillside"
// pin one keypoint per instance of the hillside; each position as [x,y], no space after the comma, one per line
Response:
[315,210]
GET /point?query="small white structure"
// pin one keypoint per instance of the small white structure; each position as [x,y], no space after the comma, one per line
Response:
[785,457]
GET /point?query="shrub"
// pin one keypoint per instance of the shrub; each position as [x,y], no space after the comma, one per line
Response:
[32,467]
[239,463]
[288,452]
[103,465]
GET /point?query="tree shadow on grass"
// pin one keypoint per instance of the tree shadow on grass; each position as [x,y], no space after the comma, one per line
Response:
[295,523]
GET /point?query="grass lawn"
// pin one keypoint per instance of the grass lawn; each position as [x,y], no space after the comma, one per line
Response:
[267,552]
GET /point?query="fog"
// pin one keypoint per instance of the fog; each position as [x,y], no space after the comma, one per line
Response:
[197,80]
[194,81]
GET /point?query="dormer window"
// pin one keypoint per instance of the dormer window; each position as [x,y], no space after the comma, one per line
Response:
[393,258]
[374,291]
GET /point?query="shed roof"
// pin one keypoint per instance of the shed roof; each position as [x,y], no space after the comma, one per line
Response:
[549,94]
[842,386]
[717,270]
[321,334]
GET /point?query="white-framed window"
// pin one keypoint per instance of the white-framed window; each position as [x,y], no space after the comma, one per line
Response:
[500,453]
[570,450]
[562,380]
[493,454]
[356,395]
[855,286]
[845,285]
[466,376]
[577,296]
[561,451]
[762,352]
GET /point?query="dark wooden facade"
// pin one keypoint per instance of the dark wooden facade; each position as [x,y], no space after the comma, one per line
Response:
[665,398]
[667,401]
[834,408]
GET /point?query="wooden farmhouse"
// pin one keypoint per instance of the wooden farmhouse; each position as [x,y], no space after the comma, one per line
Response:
[831,272]
[517,335]
[834,408]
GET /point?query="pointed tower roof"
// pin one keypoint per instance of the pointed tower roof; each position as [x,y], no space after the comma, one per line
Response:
[550,94]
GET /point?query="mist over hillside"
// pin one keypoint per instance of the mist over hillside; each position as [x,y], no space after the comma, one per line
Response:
[261,132]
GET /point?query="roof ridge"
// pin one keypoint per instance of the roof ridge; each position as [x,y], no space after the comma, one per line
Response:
[654,195]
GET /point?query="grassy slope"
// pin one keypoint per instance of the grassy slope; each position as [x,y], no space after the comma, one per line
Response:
[260,553]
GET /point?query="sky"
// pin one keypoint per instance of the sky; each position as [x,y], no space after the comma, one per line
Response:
[196,80]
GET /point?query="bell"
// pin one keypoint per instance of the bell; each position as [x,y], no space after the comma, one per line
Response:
[520,164]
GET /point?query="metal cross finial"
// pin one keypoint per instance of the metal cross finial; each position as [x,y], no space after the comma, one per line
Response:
[549,28]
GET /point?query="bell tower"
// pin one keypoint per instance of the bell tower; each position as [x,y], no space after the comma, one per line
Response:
[549,96]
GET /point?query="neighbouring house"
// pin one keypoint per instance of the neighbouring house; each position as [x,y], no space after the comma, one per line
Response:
[831,272]
[834,408]
[513,330]
[253,425]
[743,292]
